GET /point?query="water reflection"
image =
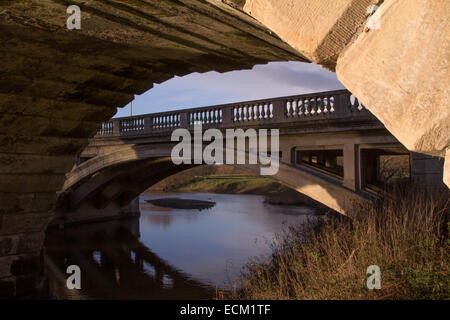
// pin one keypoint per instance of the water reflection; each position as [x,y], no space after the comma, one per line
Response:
[169,253]
[116,265]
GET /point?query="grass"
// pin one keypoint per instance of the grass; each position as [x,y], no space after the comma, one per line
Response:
[407,238]
[231,184]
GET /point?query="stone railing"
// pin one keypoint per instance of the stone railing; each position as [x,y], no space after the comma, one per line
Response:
[330,105]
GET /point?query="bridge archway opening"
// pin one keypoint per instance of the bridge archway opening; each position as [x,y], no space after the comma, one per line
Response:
[113,189]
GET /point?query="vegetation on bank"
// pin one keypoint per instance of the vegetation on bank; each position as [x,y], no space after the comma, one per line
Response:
[231,180]
[232,184]
[406,237]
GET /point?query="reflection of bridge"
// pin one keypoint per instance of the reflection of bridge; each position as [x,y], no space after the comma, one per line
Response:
[330,148]
[115,265]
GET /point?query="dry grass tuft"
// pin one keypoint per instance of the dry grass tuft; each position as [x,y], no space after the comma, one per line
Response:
[407,238]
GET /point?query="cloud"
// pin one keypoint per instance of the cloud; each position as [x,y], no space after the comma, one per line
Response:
[264,81]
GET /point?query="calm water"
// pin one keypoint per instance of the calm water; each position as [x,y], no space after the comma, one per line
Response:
[170,253]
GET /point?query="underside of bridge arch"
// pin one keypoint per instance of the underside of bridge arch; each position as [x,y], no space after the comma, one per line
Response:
[58,85]
[106,191]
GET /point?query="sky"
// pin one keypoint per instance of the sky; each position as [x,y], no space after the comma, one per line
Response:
[275,79]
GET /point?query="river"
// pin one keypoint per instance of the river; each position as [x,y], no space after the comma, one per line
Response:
[170,253]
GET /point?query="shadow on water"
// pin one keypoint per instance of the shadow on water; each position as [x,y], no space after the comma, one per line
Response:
[115,265]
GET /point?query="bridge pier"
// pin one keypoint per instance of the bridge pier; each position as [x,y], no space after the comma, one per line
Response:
[89,213]
[351,164]
[427,171]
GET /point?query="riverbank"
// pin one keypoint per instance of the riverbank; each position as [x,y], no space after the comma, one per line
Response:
[229,180]
[406,238]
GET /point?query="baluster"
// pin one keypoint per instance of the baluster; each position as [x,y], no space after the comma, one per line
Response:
[235,114]
[352,102]
[360,106]
[313,106]
[300,108]
[271,111]
[245,112]
[325,105]
[250,112]
[332,104]
[266,108]
[294,108]
[220,115]
[307,107]
[288,109]
[319,106]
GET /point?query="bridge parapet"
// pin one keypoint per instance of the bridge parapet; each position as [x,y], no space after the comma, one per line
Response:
[330,105]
